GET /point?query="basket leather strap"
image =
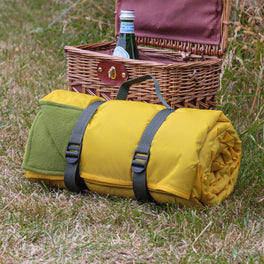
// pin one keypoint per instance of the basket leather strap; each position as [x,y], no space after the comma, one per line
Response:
[142,154]
[124,88]
[72,179]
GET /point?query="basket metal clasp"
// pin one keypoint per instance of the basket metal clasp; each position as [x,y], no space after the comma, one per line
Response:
[112,73]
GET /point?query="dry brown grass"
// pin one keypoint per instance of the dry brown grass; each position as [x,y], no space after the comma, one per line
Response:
[42,225]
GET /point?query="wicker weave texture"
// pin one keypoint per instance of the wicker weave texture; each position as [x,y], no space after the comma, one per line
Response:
[193,84]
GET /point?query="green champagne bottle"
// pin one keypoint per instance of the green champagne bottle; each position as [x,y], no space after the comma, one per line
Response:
[126,45]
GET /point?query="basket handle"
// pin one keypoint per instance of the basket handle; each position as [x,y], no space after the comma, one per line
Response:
[124,88]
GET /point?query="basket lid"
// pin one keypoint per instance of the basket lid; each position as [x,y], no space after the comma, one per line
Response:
[199,27]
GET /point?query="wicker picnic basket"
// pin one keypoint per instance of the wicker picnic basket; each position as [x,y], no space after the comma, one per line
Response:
[181,44]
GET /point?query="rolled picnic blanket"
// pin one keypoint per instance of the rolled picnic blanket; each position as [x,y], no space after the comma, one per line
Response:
[131,149]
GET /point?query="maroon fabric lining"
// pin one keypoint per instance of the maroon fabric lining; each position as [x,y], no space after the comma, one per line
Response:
[196,21]
[158,59]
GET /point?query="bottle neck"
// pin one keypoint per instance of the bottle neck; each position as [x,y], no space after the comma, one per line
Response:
[127,27]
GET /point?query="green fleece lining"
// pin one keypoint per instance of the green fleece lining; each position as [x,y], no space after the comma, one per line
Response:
[50,133]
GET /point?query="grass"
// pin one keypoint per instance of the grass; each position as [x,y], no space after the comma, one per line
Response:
[43,225]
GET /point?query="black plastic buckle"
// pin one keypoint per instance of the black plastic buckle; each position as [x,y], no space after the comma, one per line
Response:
[140,161]
[73,152]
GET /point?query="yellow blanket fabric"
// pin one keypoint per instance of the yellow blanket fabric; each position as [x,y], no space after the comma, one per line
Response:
[194,157]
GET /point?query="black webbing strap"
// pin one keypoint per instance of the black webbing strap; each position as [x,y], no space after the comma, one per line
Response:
[72,179]
[142,153]
[125,86]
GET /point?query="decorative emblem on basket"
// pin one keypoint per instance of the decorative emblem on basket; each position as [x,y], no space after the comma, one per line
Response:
[110,72]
